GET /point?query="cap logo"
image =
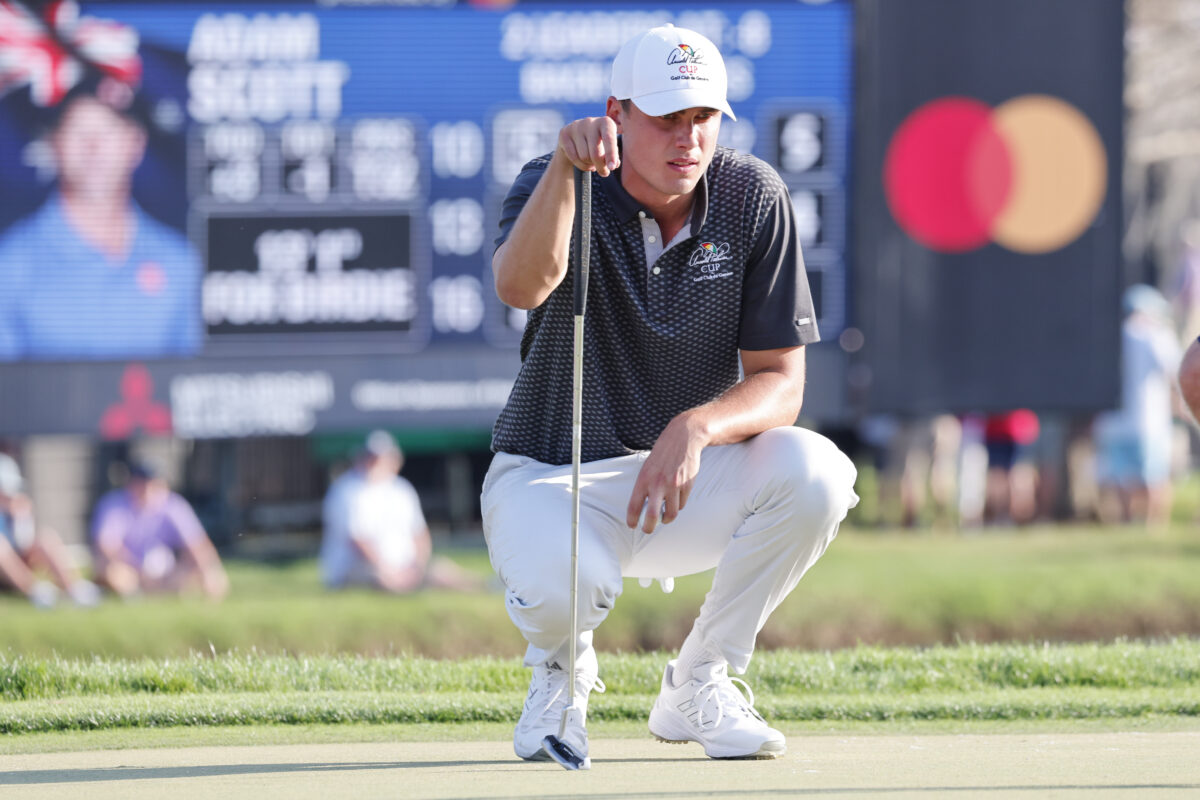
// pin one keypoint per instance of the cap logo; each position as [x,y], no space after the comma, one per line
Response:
[685,54]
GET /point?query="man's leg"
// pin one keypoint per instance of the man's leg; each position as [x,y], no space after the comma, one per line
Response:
[762,511]
[16,574]
[50,552]
[527,522]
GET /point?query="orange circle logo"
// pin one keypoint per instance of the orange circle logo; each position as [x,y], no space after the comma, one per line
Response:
[1029,175]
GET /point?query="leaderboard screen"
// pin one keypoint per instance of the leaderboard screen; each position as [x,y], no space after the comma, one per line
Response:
[232,189]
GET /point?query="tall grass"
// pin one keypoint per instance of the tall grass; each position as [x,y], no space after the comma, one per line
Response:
[865,670]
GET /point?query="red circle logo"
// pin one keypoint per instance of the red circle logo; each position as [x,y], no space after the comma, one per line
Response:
[1029,175]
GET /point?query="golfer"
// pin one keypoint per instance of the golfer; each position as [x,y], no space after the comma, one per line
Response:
[697,318]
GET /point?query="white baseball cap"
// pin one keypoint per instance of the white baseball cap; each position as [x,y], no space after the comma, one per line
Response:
[668,69]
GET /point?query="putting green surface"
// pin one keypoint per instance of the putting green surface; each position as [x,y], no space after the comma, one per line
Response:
[1100,764]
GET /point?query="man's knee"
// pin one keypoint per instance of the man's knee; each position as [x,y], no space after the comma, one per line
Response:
[813,476]
[542,601]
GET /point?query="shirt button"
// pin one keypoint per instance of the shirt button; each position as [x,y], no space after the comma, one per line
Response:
[641,215]
[656,270]
[652,239]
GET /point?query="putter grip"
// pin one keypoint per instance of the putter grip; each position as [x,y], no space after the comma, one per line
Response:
[582,235]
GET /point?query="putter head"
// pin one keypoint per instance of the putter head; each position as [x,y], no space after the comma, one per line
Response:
[564,754]
[556,746]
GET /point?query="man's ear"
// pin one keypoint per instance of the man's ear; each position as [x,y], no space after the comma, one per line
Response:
[614,111]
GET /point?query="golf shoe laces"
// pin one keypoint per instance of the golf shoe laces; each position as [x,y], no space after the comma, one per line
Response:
[721,692]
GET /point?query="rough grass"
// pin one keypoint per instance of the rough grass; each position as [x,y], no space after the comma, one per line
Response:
[969,683]
[1072,584]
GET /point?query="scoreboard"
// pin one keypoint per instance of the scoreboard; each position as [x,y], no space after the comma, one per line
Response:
[338,169]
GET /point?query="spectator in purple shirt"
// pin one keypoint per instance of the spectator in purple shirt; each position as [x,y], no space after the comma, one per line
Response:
[147,539]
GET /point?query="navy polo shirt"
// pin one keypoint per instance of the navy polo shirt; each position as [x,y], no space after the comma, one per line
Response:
[657,341]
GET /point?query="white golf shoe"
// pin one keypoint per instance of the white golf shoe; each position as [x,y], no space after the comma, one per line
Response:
[548,698]
[710,710]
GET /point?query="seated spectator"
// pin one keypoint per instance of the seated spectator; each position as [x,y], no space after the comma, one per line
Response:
[146,539]
[375,531]
[26,548]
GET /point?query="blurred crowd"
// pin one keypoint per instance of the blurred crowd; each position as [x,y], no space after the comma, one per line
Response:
[145,538]
[1018,467]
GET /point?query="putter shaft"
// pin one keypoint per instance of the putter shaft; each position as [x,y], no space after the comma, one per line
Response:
[556,747]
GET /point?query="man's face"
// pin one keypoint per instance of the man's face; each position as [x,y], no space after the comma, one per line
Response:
[384,466]
[147,491]
[97,150]
[664,157]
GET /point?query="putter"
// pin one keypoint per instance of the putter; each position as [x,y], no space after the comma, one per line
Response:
[556,746]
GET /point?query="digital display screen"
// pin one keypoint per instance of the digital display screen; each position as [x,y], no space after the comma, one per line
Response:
[319,183]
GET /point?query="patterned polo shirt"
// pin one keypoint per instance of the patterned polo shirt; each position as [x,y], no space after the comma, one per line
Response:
[658,339]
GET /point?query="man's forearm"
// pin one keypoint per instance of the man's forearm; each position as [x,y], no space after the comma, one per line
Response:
[111,548]
[533,260]
[764,400]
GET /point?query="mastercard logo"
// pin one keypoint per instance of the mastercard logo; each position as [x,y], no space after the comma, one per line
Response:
[1029,174]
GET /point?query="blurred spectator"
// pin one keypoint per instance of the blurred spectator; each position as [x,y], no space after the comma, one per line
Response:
[1133,442]
[1011,494]
[26,548]
[920,465]
[375,531]
[147,539]
[90,274]
[972,471]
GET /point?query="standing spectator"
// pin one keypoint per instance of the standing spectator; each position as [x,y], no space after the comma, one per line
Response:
[1011,474]
[1133,442]
[25,548]
[375,531]
[147,539]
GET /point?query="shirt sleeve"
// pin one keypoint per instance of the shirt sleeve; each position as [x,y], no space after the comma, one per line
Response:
[183,519]
[777,307]
[521,189]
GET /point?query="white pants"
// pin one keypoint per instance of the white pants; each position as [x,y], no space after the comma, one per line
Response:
[761,511]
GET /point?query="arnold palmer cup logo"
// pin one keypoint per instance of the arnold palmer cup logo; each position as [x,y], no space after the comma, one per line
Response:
[707,254]
[689,62]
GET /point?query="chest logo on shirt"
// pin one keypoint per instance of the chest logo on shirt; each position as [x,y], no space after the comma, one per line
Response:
[709,257]
[151,277]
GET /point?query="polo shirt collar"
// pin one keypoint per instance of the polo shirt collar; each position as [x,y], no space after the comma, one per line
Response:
[627,207]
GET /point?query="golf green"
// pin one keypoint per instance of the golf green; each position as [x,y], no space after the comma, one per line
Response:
[1092,765]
